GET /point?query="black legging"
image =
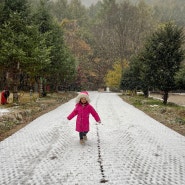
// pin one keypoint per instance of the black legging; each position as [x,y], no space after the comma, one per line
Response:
[81,134]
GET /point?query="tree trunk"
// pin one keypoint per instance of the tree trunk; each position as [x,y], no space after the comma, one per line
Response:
[146,92]
[16,78]
[40,87]
[165,97]
[15,94]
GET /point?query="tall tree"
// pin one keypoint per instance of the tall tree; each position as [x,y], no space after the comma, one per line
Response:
[62,68]
[17,6]
[60,10]
[42,17]
[62,63]
[180,78]
[162,56]
[131,76]
[119,31]
[170,10]
[21,46]
[121,28]
[77,12]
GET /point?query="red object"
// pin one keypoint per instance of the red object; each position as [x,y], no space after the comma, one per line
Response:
[3,98]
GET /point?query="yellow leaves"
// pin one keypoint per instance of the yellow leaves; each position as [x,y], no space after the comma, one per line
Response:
[113,77]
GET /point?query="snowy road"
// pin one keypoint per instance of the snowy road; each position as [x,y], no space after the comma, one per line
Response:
[128,148]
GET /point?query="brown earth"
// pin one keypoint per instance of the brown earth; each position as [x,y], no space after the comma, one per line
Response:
[174,98]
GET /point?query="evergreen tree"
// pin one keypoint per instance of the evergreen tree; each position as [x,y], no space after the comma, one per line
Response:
[62,67]
[77,12]
[180,78]
[22,49]
[59,9]
[162,57]
[15,6]
[131,77]
[61,61]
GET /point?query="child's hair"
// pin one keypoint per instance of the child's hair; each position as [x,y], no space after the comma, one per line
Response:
[83,94]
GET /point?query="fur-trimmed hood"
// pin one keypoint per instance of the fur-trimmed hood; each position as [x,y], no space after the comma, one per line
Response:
[83,94]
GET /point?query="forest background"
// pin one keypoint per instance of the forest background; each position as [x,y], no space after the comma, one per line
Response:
[64,45]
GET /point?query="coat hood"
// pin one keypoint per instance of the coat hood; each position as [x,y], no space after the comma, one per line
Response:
[83,94]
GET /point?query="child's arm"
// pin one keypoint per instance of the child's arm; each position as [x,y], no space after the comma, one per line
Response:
[95,115]
[72,115]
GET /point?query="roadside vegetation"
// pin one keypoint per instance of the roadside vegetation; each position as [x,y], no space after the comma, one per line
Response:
[171,115]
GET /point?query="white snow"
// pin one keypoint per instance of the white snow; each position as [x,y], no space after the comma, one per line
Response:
[127,148]
[3,111]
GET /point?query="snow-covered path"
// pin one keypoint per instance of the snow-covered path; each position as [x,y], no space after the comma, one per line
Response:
[128,148]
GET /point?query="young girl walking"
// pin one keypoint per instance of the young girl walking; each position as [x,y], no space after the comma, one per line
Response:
[83,109]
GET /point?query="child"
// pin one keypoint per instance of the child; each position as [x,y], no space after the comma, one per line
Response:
[82,110]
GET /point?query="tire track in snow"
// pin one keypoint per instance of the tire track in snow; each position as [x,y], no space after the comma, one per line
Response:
[100,159]
[41,155]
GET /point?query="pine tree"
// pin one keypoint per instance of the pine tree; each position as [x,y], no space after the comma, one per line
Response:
[22,49]
[162,57]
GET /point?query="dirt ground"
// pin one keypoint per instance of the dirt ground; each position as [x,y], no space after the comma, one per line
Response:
[174,98]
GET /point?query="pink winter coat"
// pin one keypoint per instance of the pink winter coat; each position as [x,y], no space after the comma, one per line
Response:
[83,112]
